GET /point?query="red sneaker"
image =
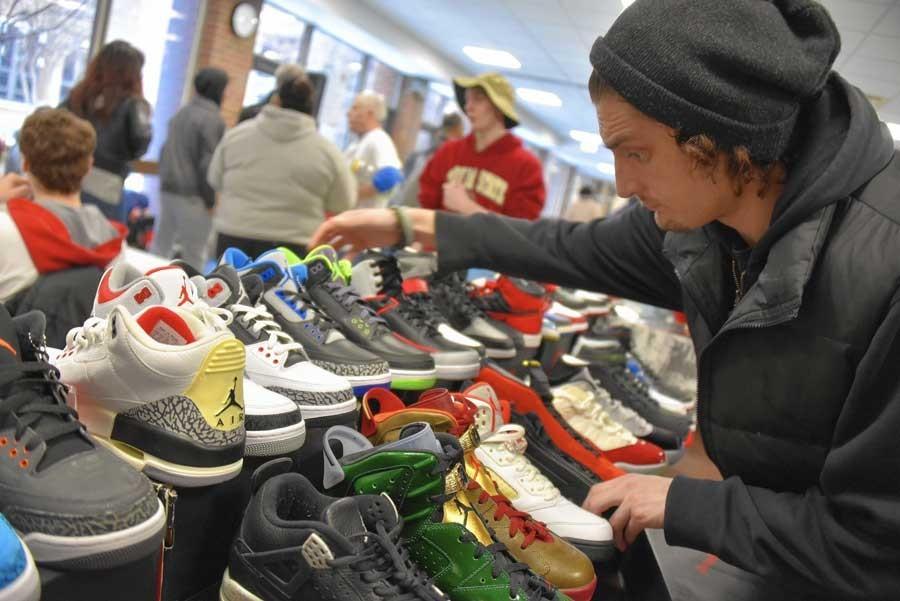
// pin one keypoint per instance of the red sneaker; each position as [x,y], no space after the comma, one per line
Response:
[519,303]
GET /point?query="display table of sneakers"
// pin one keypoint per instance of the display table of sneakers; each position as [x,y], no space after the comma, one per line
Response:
[287,427]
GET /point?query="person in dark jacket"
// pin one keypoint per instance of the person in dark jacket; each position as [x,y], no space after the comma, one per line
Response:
[111,98]
[770,213]
[187,200]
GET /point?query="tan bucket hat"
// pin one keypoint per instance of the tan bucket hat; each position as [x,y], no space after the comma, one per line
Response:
[497,88]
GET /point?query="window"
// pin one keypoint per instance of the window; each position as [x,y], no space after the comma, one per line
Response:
[384,80]
[165,36]
[341,66]
[44,48]
[259,85]
[436,106]
[279,36]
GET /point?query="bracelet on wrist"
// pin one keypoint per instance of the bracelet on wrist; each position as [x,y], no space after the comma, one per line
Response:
[405,224]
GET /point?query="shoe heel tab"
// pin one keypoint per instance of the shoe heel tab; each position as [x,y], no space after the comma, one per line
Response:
[266,471]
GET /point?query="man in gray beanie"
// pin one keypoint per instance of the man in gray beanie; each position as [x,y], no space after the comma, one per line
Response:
[770,215]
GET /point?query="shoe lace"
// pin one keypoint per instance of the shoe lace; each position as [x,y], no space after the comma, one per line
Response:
[385,564]
[519,521]
[302,305]
[259,320]
[89,334]
[351,301]
[455,296]
[507,446]
[35,399]
[419,310]
[488,298]
[520,576]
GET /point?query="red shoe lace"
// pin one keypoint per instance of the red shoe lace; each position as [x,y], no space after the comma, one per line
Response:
[518,520]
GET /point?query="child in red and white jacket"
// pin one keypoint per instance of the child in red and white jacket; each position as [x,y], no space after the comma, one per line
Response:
[44,228]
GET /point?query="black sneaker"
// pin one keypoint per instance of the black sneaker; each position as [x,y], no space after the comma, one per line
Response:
[451,298]
[286,298]
[377,278]
[296,544]
[75,504]
[608,364]
[328,285]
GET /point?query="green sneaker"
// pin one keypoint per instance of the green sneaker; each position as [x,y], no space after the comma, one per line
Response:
[328,285]
[422,472]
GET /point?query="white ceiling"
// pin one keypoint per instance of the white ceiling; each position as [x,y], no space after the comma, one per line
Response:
[552,40]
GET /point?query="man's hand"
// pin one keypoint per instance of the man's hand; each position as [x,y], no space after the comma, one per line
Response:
[457,199]
[13,185]
[368,228]
[641,502]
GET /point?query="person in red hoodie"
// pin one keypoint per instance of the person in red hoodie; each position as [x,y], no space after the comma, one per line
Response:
[489,170]
[49,230]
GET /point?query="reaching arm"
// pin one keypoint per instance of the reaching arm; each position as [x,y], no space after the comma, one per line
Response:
[621,256]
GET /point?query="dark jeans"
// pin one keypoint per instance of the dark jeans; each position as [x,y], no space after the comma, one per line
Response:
[254,247]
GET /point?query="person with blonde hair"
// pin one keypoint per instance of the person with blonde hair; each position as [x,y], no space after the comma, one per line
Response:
[373,150]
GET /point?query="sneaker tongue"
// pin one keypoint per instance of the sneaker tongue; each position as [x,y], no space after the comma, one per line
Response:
[174,285]
[223,287]
[319,270]
[417,437]
[253,288]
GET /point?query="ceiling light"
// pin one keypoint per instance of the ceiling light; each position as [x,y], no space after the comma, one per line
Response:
[444,89]
[607,168]
[895,130]
[540,97]
[354,67]
[494,58]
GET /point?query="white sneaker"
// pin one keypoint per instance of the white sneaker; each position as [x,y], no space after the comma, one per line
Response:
[163,389]
[579,407]
[274,424]
[274,360]
[502,452]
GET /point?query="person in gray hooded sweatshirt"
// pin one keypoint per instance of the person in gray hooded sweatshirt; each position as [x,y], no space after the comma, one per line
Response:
[278,177]
[187,200]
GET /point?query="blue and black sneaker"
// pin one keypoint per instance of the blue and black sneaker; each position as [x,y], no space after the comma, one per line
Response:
[18,577]
[323,342]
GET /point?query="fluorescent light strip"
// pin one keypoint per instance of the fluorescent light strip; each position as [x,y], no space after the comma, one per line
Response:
[540,97]
[492,57]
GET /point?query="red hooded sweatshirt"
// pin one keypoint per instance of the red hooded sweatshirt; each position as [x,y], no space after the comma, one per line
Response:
[504,177]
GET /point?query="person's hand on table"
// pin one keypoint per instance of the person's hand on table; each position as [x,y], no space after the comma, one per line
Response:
[457,199]
[640,501]
[13,185]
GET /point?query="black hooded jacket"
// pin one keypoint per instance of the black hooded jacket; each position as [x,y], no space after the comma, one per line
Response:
[194,132]
[799,383]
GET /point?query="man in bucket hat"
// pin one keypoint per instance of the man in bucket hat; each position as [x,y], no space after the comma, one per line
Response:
[488,170]
[770,214]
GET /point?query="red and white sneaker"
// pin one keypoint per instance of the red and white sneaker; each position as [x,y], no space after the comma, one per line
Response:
[516,302]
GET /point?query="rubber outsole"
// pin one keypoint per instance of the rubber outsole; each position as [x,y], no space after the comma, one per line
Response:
[597,551]
[640,469]
[101,551]
[316,411]
[168,472]
[457,372]
[231,590]
[278,441]
[582,593]
[674,456]
[27,586]
[412,380]
[500,353]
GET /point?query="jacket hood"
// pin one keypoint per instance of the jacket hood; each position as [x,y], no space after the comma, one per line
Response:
[283,125]
[840,144]
[508,143]
[210,83]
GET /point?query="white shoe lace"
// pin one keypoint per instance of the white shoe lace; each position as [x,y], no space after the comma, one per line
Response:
[507,447]
[260,320]
[588,406]
[89,334]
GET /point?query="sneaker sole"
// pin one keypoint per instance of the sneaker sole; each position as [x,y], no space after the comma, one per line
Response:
[674,456]
[640,469]
[100,551]
[500,353]
[231,590]
[27,586]
[457,372]
[362,384]
[597,551]
[278,441]
[406,379]
[168,472]
[317,411]
[532,341]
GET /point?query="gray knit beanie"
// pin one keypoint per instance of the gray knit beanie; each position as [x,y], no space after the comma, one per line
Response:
[736,70]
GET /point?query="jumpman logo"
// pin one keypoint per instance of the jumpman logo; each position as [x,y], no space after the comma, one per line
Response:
[231,401]
[185,295]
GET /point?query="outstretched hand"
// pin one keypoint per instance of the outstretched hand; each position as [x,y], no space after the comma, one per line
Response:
[368,228]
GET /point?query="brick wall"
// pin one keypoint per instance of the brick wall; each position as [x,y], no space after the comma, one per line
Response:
[220,47]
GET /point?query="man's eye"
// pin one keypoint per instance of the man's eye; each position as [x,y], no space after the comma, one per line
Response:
[634,155]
